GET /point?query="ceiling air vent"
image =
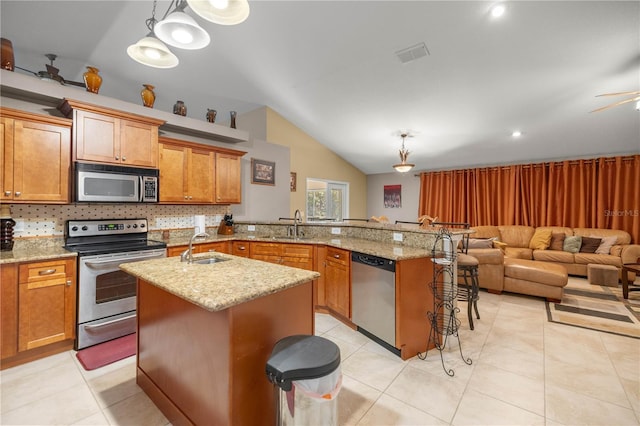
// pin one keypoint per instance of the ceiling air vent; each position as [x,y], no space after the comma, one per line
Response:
[412,53]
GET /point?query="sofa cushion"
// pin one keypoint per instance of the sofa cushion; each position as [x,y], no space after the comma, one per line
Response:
[499,245]
[516,235]
[557,256]
[623,236]
[590,245]
[486,231]
[487,256]
[480,243]
[518,252]
[572,244]
[541,239]
[557,240]
[606,244]
[601,259]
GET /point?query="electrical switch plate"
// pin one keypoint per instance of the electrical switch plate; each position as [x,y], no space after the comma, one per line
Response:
[251,228]
[335,231]
[397,236]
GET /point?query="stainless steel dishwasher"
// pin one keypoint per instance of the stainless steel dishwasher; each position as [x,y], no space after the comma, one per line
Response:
[373,298]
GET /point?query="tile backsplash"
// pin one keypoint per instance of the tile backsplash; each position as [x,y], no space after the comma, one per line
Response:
[41,220]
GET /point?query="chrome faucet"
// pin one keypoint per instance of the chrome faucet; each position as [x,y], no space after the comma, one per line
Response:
[187,255]
[297,218]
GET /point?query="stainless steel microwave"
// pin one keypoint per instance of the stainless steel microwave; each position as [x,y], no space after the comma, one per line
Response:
[102,183]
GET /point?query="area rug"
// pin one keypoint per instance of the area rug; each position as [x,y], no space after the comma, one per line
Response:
[108,352]
[598,308]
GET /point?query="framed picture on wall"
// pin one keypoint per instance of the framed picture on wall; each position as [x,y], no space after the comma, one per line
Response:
[392,196]
[294,181]
[263,172]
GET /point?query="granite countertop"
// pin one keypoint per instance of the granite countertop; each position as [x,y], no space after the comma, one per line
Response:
[221,285]
[34,252]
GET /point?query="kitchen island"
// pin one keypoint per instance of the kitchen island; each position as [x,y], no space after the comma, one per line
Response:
[205,332]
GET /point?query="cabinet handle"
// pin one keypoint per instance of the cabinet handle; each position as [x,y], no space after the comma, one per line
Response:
[47,272]
[7,193]
[68,283]
[117,158]
[212,250]
[124,158]
[18,193]
[241,248]
[337,256]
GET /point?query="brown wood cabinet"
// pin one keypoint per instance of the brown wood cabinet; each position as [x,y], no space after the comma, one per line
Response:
[38,309]
[294,255]
[105,135]
[198,174]
[337,281]
[35,157]
[240,248]
[218,246]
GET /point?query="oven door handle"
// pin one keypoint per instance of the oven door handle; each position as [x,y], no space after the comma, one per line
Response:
[93,328]
[116,262]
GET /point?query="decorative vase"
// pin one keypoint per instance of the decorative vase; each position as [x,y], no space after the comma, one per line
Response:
[148,97]
[8,61]
[211,115]
[180,108]
[233,119]
[92,79]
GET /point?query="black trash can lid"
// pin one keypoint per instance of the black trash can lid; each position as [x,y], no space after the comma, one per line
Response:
[301,357]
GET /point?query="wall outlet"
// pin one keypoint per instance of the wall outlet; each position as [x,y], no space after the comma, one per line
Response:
[251,228]
[335,231]
[397,236]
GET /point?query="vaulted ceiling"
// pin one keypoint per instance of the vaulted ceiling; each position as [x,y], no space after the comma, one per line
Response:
[330,67]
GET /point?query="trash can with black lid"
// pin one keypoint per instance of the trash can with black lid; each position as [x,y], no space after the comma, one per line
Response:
[307,371]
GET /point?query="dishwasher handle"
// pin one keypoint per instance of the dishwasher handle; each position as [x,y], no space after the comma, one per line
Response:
[374,261]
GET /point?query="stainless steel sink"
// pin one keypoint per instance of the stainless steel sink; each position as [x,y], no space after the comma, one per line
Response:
[210,260]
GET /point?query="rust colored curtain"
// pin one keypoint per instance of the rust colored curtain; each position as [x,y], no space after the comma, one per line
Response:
[589,193]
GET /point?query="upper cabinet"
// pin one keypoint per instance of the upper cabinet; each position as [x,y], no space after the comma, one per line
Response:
[104,135]
[35,157]
[198,174]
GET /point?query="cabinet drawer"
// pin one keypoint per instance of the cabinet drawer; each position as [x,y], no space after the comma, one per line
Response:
[44,271]
[338,255]
[297,250]
[240,248]
[266,249]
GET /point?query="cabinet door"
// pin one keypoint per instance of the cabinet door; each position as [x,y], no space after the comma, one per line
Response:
[173,173]
[220,247]
[138,144]
[9,310]
[47,303]
[97,137]
[6,158]
[240,248]
[176,250]
[41,162]
[228,179]
[337,292]
[200,180]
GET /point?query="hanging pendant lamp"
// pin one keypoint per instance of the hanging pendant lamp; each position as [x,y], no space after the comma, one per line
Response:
[403,166]
[181,30]
[223,12]
[150,51]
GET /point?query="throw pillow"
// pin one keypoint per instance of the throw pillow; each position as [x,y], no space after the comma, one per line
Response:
[557,241]
[541,239]
[480,243]
[606,244]
[500,245]
[590,245]
[572,244]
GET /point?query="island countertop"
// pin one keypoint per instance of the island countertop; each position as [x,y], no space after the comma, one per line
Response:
[221,285]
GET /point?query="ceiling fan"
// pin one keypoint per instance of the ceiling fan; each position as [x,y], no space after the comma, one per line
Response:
[52,73]
[635,96]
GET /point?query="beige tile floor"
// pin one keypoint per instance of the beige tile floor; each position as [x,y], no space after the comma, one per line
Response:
[525,370]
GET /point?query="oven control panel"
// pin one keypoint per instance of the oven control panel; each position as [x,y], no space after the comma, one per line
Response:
[90,228]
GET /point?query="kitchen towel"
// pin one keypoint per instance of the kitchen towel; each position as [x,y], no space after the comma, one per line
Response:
[199,223]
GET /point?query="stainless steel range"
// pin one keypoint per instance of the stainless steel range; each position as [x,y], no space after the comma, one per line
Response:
[107,295]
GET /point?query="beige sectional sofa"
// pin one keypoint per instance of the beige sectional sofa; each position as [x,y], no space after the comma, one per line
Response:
[517,239]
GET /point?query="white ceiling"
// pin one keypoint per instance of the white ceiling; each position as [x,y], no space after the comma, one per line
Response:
[330,68]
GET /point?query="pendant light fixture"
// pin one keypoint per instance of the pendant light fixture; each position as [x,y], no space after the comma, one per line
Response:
[223,12]
[150,51]
[403,166]
[180,30]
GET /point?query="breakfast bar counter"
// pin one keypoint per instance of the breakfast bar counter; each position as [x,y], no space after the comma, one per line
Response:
[205,332]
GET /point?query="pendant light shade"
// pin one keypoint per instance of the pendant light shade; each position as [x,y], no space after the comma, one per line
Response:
[182,31]
[403,166]
[152,52]
[223,12]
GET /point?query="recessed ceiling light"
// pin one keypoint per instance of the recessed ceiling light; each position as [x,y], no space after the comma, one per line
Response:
[498,10]
[516,133]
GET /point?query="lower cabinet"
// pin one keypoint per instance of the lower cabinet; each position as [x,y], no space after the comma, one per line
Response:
[240,248]
[337,284]
[219,246]
[38,309]
[294,255]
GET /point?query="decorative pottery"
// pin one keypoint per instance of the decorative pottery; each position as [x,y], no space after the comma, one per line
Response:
[211,115]
[8,61]
[233,119]
[180,108]
[92,79]
[148,96]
